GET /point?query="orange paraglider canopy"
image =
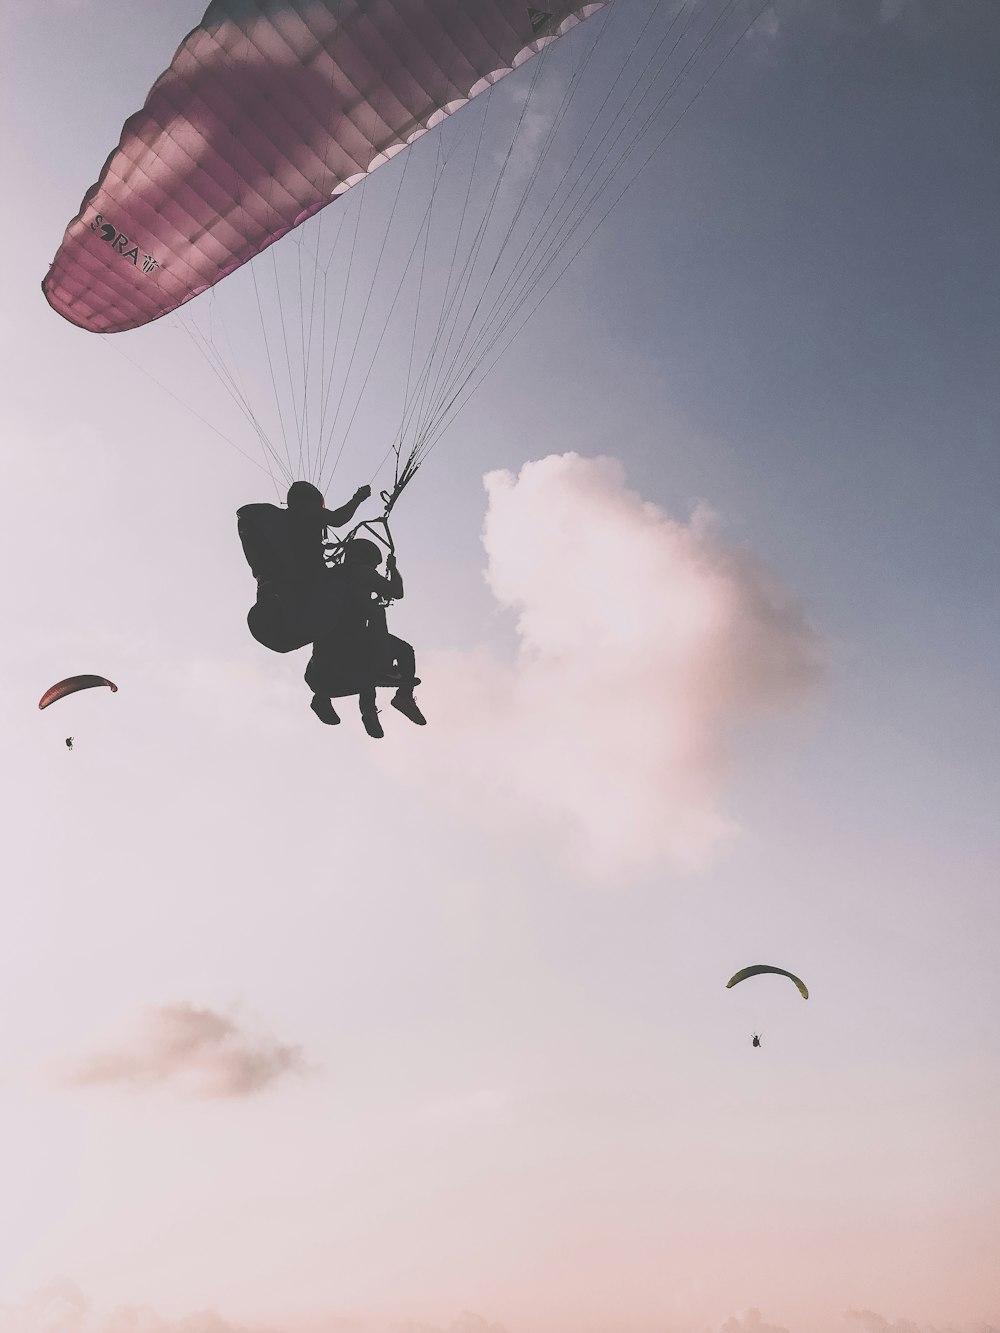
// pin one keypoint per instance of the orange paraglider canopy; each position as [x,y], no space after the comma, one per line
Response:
[70,686]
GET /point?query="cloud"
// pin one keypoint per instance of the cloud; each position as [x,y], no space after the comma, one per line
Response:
[466,1323]
[766,26]
[920,17]
[643,643]
[750,1322]
[871,1322]
[198,1050]
[61,1307]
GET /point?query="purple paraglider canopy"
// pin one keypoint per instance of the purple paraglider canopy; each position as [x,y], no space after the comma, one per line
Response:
[267,113]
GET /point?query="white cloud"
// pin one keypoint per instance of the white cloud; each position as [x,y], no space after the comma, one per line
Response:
[642,645]
[202,1052]
[766,26]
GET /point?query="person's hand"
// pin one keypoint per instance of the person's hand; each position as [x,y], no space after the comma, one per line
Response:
[362,493]
[390,562]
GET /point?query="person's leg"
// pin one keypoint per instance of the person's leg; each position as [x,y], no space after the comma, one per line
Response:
[401,654]
[403,700]
[324,710]
[369,713]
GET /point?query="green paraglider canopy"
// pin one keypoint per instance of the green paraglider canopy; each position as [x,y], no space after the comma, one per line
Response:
[758,968]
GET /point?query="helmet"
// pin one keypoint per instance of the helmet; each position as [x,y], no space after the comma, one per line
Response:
[363,552]
[302,494]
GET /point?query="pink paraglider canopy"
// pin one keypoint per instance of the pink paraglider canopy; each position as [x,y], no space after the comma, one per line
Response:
[269,110]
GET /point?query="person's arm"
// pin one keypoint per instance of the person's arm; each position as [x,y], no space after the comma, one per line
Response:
[336,518]
[393,578]
[388,585]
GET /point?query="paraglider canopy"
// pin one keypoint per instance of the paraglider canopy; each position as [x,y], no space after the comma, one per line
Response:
[70,686]
[758,968]
[260,122]
[268,118]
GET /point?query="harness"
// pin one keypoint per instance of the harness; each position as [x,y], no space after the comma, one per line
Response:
[377,528]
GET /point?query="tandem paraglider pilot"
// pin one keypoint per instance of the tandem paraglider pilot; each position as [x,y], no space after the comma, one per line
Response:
[285,550]
[330,594]
[358,654]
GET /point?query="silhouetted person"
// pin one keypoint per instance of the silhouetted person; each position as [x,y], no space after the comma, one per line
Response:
[308,520]
[756,1038]
[69,742]
[359,653]
[284,548]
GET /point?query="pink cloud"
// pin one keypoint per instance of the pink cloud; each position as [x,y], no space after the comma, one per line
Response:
[870,1322]
[643,643]
[203,1052]
[466,1323]
[750,1322]
[61,1307]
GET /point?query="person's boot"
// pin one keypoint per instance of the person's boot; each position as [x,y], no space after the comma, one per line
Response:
[369,716]
[369,713]
[404,702]
[324,710]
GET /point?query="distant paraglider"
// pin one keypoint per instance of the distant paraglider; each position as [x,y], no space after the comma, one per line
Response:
[69,742]
[758,968]
[70,686]
[756,1038]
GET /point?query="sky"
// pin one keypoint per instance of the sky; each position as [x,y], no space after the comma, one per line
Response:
[308,1033]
